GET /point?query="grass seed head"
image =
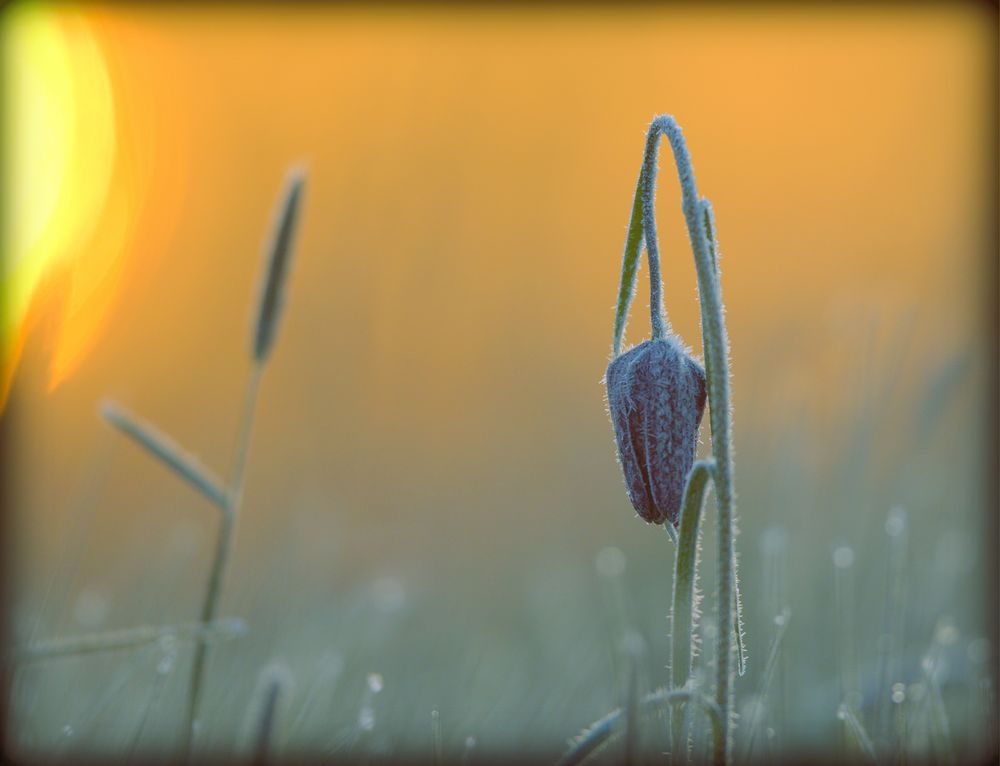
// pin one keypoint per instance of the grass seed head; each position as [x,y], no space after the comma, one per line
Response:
[656,397]
[279,255]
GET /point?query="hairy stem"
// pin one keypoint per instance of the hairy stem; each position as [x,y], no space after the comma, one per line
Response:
[641,230]
[657,313]
[684,609]
[602,730]
[708,222]
[698,214]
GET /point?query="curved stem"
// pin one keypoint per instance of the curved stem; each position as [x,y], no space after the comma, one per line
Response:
[657,312]
[716,347]
[642,229]
[671,533]
[683,612]
[602,730]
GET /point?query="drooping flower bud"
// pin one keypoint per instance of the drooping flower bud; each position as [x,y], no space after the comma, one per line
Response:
[656,397]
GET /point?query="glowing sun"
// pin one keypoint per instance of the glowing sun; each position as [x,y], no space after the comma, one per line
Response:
[66,192]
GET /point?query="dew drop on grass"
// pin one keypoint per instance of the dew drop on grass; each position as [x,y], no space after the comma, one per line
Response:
[946,632]
[898,693]
[843,557]
[168,647]
[166,665]
[233,627]
[610,562]
[366,718]
[895,524]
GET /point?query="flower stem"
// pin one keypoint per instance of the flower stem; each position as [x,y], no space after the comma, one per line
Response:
[697,214]
[684,608]
[657,312]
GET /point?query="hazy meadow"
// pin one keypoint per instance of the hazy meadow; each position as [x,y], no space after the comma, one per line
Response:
[435,554]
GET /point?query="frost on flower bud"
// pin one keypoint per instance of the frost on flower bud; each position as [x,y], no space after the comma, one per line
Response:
[656,397]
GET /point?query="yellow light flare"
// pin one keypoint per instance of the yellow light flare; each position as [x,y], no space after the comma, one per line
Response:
[60,160]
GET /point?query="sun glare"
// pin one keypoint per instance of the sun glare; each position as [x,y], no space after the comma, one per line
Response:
[60,162]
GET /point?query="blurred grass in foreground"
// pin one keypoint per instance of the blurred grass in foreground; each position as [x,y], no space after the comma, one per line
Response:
[518,648]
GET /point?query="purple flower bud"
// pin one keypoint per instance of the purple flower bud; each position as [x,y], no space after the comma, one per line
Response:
[656,397]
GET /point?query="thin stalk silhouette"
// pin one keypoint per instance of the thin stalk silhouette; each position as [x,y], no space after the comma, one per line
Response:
[228,497]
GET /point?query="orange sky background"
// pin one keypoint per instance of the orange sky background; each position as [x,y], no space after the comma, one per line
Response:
[470,178]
